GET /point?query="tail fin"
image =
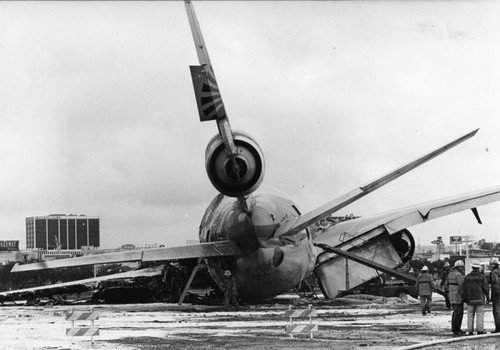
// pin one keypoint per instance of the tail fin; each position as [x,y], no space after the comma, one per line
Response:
[208,98]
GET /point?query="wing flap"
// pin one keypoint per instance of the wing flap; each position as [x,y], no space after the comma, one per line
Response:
[481,198]
[444,207]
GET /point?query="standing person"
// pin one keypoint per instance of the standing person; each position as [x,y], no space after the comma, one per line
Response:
[475,291]
[495,293]
[446,271]
[453,285]
[424,289]
[230,291]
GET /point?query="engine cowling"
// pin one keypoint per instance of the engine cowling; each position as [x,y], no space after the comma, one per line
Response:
[404,243]
[242,178]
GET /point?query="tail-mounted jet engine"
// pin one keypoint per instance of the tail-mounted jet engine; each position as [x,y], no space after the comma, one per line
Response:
[238,175]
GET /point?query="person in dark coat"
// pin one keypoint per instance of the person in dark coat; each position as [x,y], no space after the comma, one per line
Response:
[495,293]
[446,271]
[476,293]
[453,285]
[425,288]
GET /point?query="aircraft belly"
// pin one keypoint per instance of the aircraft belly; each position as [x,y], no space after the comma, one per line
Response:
[331,273]
[298,262]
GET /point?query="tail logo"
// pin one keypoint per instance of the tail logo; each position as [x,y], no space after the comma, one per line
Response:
[208,97]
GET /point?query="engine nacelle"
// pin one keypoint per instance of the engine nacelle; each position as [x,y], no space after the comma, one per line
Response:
[231,180]
[404,243]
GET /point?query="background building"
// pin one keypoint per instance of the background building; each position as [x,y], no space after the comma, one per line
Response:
[9,251]
[59,231]
[9,246]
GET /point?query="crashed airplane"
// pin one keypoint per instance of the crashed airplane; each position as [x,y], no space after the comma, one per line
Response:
[264,240]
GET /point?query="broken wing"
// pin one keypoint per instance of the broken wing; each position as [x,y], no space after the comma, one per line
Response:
[203,250]
[355,232]
[77,286]
[382,239]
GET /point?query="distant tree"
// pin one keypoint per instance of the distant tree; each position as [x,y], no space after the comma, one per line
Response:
[488,246]
[496,250]
[483,244]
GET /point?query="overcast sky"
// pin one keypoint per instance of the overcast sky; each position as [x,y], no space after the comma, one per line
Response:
[99,117]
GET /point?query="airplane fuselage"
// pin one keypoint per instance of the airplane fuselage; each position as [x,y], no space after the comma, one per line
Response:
[270,263]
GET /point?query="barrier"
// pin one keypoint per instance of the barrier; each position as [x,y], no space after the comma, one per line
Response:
[82,330]
[301,328]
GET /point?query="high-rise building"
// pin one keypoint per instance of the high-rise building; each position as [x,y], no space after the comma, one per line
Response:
[59,231]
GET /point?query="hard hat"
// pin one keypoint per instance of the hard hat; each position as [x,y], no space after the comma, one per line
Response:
[475,264]
[227,273]
[425,268]
[459,263]
[495,261]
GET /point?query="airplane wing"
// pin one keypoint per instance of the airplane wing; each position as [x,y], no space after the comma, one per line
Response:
[356,232]
[79,285]
[370,240]
[203,250]
[322,212]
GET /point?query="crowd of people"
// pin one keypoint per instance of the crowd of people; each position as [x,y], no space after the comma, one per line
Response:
[472,289]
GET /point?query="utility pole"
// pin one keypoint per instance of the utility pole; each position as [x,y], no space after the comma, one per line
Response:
[467,240]
[439,246]
[456,241]
[346,274]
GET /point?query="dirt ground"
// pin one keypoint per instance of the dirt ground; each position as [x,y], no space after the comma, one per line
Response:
[170,326]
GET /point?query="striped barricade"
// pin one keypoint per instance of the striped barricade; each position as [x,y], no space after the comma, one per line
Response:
[301,328]
[90,315]
[83,330]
